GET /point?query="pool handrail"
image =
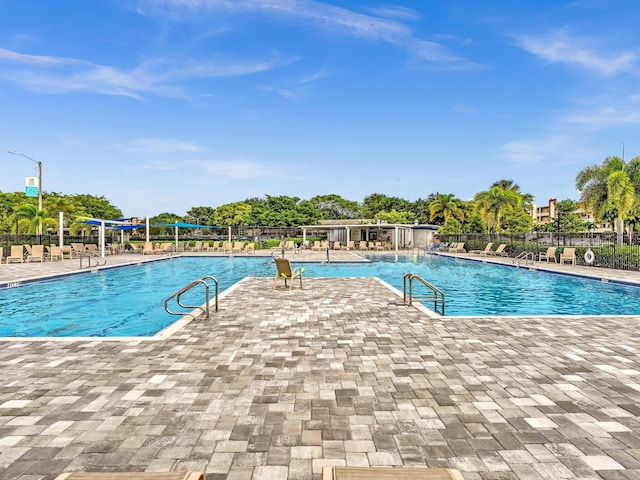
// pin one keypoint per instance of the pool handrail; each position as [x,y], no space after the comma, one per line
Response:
[178,294]
[437,296]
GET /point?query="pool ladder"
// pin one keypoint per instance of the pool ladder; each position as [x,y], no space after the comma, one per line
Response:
[99,259]
[526,257]
[203,309]
[436,296]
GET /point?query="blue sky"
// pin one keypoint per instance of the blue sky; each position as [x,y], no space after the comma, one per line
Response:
[162,105]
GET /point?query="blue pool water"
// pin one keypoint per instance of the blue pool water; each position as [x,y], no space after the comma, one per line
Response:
[128,301]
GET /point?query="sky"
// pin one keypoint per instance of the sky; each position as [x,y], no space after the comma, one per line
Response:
[165,105]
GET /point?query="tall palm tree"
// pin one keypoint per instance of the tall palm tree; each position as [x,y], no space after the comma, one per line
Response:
[611,189]
[494,203]
[29,216]
[446,206]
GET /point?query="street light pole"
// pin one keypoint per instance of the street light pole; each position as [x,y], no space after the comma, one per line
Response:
[39,181]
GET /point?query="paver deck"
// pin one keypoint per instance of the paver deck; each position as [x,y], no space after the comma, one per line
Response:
[280,383]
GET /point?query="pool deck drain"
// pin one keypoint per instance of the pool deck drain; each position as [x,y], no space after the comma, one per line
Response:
[280,383]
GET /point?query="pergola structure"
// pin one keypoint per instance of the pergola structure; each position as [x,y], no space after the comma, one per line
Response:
[400,235]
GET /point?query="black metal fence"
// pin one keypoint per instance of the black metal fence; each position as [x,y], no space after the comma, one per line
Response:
[608,252]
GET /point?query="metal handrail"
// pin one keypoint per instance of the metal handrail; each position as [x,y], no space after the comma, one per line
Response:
[527,257]
[437,296]
[91,255]
[178,294]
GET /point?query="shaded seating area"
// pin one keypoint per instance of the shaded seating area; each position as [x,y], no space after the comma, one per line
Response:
[286,273]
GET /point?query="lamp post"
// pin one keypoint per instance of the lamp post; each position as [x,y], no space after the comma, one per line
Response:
[39,181]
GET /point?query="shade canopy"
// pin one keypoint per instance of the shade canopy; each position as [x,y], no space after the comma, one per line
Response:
[184,225]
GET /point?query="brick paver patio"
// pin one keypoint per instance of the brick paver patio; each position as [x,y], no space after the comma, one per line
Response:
[280,383]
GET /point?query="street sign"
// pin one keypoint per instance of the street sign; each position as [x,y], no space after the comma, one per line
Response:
[31,189]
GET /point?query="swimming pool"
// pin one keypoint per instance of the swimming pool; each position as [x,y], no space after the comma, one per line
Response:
[128,301]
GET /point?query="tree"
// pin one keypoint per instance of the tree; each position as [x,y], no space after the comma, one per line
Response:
[611,189]
[395,217]
[333,207]
[378,202]
[420,208]
[445,206]
[200,216]
[95,207]
[567,220]
[494,203]
[27,215]
[232,214]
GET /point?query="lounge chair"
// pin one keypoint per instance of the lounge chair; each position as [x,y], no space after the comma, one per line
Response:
[215,246]
[197,247]
[486,250]
[390,473]
[458,248]
[316,245]
[351,245]
[499,252]
[37,254]
[286,273]
[250,248]
[550,254]
[363,245]
[55,253]
[568,255]
[16,255]
[336,245]
[131,476]
[148,249]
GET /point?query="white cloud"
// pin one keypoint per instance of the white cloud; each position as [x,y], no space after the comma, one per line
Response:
[605,117]
[58,75]
[323,16]
[395,12]
[214,171]
[535,151]
[160,145]
[561,47]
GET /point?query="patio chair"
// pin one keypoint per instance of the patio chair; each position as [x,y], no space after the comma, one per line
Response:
[568,255]
[131,476]
[148,249]
[55,253]
[16,255]
[499,252]
[286,273]
[390,473]
[550,254]
[457,248]
[486,250]
[37,254]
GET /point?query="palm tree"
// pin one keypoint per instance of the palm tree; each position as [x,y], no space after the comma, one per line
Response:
[31,218]
[611,189]
[446,206]
[494,203]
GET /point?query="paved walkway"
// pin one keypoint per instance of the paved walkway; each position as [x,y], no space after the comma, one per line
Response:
[280,383]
